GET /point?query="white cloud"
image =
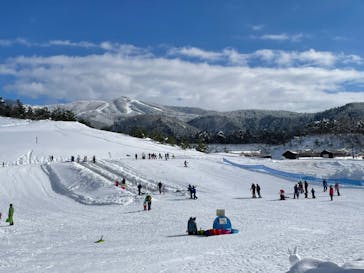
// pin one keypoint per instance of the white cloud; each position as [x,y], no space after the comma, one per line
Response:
[195,52]
[257,27]
[281,37]
[178,82]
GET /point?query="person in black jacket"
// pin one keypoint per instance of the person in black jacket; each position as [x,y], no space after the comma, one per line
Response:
[192,226]
[258,190]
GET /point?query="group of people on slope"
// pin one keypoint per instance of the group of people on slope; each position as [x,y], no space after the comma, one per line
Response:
[303,188]
[154,156]
[192,191]
[255,189]
[10,219]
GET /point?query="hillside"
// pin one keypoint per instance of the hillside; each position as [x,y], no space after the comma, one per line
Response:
[63,207]
[236,127]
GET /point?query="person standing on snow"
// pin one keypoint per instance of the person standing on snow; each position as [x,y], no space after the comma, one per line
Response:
[190,190]
[324,185]
[296,192]
[139,189]
[331,192]
[160,187]
[252,188]
[193,191]
[10,219]
[313,193]
[337,189]
[306,189]
[258,190]
[191,226]
[148,201]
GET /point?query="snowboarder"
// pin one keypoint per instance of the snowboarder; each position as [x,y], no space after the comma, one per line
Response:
[190,190]
[193,191]
[306,189]
[281,195]
[324,185]
[252,188]
[160,187]
[313,193]
[10,215]
[191,226]
[337,189]
[258,190]
[148,202]
[296,192]
[185,163]
[331,192]
[139,189]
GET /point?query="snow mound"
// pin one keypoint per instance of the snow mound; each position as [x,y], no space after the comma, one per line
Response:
[310,265]
[84,186]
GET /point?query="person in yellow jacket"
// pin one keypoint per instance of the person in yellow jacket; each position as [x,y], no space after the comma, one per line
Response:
[10,215]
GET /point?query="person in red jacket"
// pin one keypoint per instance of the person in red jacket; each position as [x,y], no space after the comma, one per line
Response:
[331,192]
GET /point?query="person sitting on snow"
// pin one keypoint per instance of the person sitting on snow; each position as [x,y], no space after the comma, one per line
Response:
[281,195]
[192,226]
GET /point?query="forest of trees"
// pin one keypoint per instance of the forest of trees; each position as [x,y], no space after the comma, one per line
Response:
[18,110]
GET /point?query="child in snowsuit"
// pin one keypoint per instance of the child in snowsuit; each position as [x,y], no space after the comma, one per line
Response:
[313,193]
[337,189]
[281,195]
[324,184]
[331,192]
[148,202]
[10,215]
[191,226]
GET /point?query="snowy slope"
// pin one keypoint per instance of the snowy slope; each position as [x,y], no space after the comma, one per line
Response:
[62,207]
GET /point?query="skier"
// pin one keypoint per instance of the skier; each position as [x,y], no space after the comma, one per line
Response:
[300,186]
[296,191]
[252,188]
[193,191]
[337,189]
[117,183]
[139,189]
[160,187]
[148,202]
[191,226]
[258,190]
[190,190]
[331,192]
[281,195]
[10,215]
[185,163]
[324,184]
[313,193]
[136,156]
[306,189]
[94,159]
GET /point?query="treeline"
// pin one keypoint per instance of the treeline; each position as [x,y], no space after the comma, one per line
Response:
[18,110]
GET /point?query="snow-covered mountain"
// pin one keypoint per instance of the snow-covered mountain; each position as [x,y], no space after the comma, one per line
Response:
[103,114]
[62,207]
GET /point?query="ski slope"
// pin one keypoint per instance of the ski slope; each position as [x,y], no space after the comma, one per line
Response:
[63,207]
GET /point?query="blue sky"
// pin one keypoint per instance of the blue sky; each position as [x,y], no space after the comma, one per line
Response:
[223,55]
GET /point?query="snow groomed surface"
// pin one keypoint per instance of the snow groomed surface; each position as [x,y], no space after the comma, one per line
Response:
[294,176]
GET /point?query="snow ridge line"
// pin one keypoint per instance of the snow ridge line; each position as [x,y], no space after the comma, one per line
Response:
[136,178]
[293,176]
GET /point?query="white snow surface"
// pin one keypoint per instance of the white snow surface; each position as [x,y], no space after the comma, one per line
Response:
[63,207]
